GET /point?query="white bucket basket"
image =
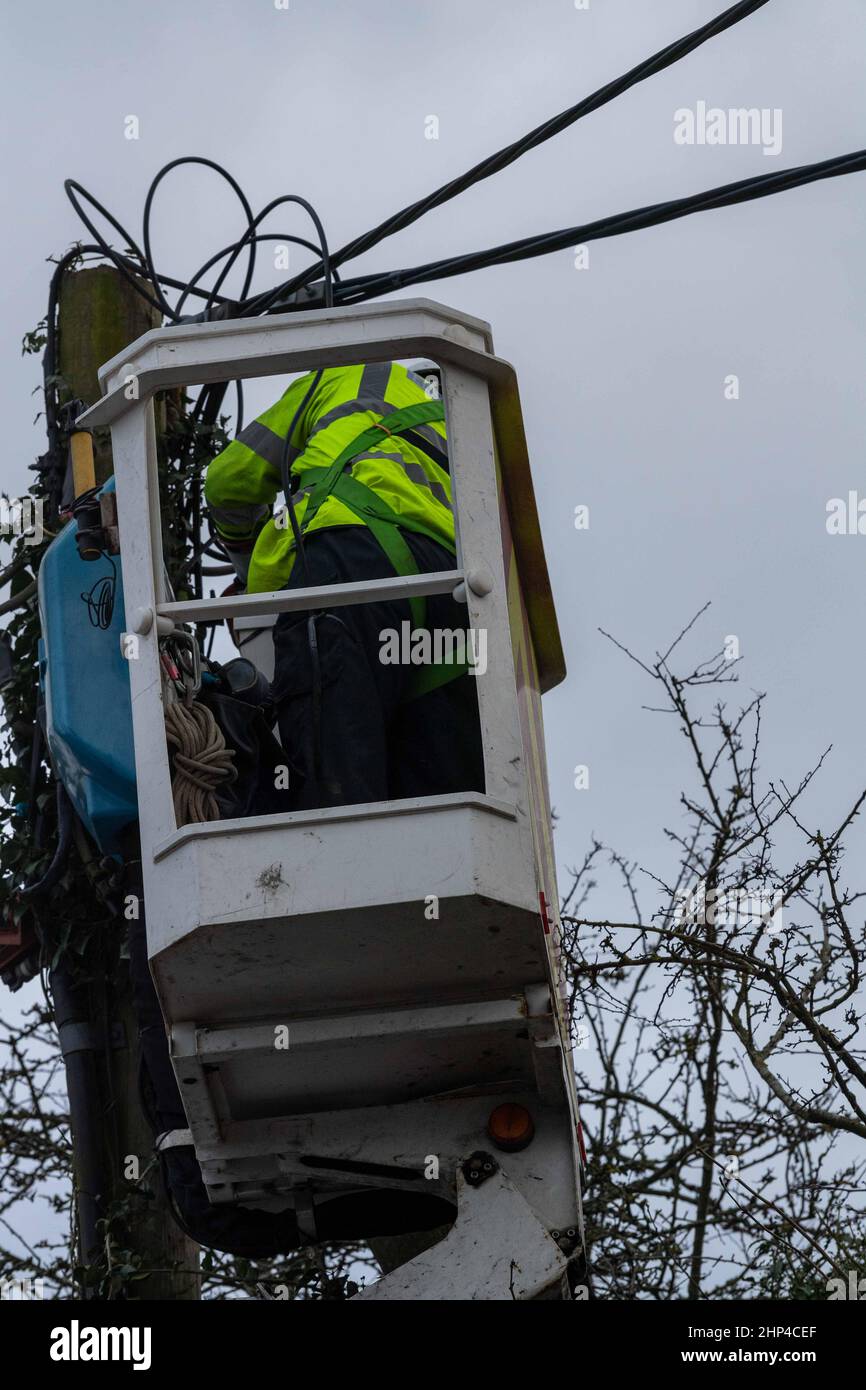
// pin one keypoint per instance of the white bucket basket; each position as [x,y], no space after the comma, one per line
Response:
[406,949]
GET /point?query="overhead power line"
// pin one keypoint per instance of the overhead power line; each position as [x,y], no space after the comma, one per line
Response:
[763,186]
[300,292]
[665,58]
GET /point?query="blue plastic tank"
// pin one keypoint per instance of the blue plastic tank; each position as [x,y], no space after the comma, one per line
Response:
[85,681]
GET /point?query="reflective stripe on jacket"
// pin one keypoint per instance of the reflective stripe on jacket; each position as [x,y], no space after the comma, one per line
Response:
[408,471]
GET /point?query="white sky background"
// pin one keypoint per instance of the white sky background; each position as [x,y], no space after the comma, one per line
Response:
[621,366]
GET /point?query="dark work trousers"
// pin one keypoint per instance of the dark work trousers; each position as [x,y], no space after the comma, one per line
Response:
[373,743]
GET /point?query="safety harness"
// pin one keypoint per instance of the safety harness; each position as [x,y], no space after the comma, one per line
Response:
[337,481]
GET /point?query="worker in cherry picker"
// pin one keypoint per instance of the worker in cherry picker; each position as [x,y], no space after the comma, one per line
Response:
[361,456]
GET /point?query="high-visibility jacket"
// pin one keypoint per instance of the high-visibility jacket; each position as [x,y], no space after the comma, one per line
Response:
[406,468]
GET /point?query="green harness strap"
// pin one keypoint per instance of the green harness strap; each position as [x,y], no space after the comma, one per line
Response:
[410,415]
[384,522]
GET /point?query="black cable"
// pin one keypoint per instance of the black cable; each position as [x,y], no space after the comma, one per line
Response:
[665,58]
[72,188]
[367,287]
[727,195]
[326,265]
[57,867]
[189,288]
[285,471]
[148,205]
[313,617]
[239,407]
[286,475]
[131,271]
[261,303]
[680,48]
[210,399]
[141,266]
[250,235]
[213,546]
[316,692]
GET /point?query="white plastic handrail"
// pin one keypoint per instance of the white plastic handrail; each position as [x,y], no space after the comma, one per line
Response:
[317,596]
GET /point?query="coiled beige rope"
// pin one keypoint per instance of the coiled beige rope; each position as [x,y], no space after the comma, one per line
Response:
[202,762]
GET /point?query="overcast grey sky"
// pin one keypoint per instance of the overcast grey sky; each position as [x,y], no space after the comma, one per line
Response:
[622,365]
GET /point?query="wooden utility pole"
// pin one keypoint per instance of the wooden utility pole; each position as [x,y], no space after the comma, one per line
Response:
[99,314]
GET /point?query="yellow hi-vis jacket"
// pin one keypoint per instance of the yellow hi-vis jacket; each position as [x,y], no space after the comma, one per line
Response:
[407,471]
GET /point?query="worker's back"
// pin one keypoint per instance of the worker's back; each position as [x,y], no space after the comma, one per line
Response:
[409,471]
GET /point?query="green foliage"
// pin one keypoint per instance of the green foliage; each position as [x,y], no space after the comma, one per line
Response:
[72,919]
[75,921]
[68,917]
[783,1275]
[35,340]
[75,924]
[185,449]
